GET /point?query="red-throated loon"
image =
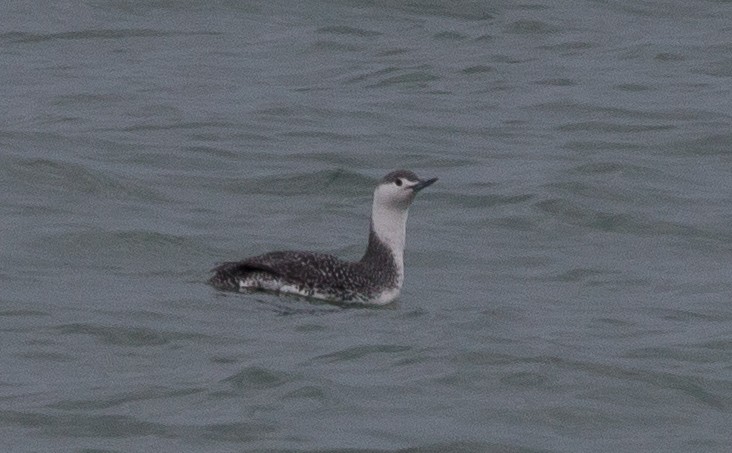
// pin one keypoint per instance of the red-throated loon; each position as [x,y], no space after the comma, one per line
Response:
[376,279]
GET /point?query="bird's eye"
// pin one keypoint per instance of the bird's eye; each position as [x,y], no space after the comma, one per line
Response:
[398,182]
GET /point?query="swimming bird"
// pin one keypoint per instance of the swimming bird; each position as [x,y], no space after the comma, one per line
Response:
[376,278]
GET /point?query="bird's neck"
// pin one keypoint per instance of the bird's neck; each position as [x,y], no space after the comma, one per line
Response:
[387,235]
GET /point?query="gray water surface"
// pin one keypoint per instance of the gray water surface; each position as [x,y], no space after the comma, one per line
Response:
[569,278]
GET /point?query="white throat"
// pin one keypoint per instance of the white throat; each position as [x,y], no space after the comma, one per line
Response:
[390,225]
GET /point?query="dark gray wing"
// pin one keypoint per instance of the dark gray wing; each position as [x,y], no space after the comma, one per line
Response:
[304,268]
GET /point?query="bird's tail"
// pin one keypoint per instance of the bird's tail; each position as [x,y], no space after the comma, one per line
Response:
[226,276]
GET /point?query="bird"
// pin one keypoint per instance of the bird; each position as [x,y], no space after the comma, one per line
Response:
[377,278]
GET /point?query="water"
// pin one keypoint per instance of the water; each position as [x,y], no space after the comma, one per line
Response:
[569,278]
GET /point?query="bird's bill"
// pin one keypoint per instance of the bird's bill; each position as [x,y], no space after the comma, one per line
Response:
[423,183]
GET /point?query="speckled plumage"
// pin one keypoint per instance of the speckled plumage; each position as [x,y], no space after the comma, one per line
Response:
[376,278]
[314,274]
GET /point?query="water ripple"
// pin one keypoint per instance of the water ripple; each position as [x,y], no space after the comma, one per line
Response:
[24,37]
[358,352]
[127,336]
[346,30]
[122,398]
[257,378]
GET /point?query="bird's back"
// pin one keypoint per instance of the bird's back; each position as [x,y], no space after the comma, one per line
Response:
[308,274]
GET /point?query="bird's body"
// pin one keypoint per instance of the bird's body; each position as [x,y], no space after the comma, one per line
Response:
[376,279]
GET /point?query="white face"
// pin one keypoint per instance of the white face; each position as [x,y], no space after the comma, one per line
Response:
[397,194]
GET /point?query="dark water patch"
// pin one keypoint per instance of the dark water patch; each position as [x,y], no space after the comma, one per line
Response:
[359,352]
[508,59]
[326,136]
[69,424]
[46,357]
[675,314]
[302,183]
[708,145]
[633,87]
[449,36]
[669,57]
[25,37]
[433,447]
[602,145]
[720,68]
[525,261]
[310,327]
[471,447]
[464,10]
[335,159]
[612,127]
[118,399]
[478,69]
[290,305]
[480,201]
[22,313]
[192,159]
[128,336]
[307,392]
[586,110]
[83,425]
[723,345]
[701,288]
[87,99]
[128,251]
[557,82]
[583,274]
[710,393]
[592,190]
[618,327]
[447,134]
[619,282]
[513,223]
[679,353]
[483,358]
[334,46]
[179,125]
[34,206]
[224,360]
[346,30]
[594,168]
[212,151]
[40,174]
[683,11]
[257,378]
[311,115]
[393,52]
[643,53]
[582,216]
[373,74]
[571,418]
[98,450]
[251,136]
[416,358]
[238,432]
[524,379]
[616,222]
[408,79]
[569,47]
[531,27]
[413,313]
